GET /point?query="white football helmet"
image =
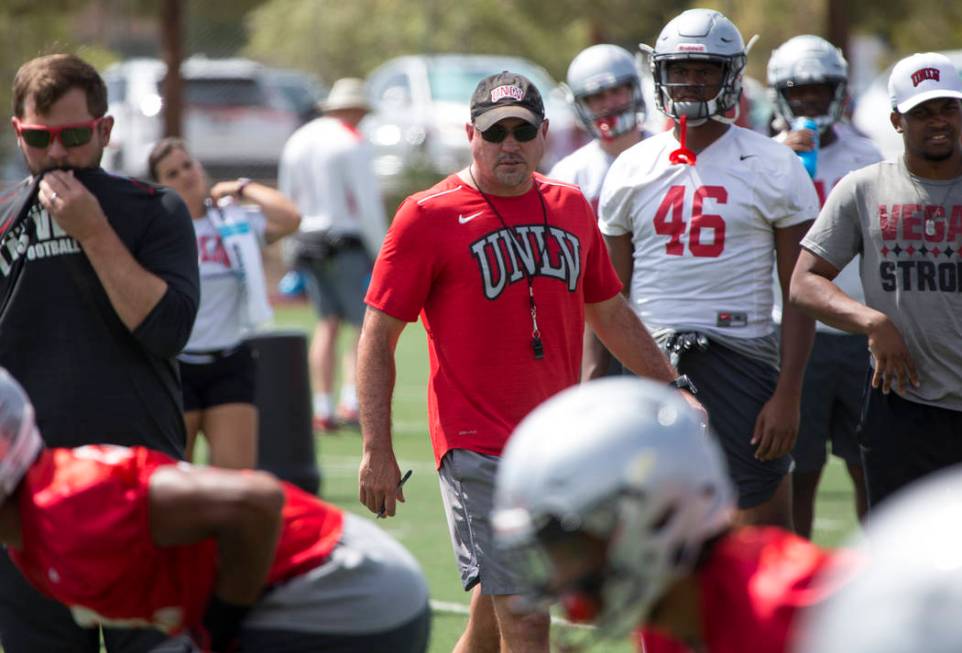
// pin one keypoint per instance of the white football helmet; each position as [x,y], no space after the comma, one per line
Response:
[599,68]
[700,35]
[907,594]
[802,60]
[20,440]
[625,461]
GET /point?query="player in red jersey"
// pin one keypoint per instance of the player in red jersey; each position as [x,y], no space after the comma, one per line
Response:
[235,560]
[615,502]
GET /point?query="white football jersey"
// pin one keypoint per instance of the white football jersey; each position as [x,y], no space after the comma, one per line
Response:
[703,235]
[849,152]
[586,168]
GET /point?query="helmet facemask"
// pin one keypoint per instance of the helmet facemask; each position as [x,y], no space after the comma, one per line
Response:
[788,113]
[608,125]
[723,106]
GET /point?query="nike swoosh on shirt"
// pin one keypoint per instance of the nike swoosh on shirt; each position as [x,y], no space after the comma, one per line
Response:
[463,219]
[745,156]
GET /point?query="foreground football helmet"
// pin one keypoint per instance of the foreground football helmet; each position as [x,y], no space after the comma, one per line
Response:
[599,68]
[700,35]
[807,59]
[623,460]
[20,440]
[907,596]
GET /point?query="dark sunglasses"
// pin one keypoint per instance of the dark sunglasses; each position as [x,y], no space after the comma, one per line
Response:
[41,136]
[522,133]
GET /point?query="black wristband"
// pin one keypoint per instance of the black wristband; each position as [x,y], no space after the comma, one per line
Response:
[223,620]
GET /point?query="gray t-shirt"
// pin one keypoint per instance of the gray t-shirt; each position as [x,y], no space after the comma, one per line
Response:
[909,232]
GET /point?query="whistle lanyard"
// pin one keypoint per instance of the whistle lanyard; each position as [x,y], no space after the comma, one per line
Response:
[537,346]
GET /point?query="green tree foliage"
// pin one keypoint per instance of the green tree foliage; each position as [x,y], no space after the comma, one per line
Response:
[335,38]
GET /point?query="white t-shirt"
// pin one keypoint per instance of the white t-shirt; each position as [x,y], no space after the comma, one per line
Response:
[703,235]
[326,170]
[849,152]
[220,322]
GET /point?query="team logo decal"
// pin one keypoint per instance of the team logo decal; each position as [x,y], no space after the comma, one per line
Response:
[507,91]
[690,47]
[923,74]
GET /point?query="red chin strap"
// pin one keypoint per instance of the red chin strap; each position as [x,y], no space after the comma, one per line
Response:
[580,608]
[682,155]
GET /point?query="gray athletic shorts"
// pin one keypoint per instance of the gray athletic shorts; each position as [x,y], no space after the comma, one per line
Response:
[733,388]
[832,400]
[369,584]
[336,283]
[467,491]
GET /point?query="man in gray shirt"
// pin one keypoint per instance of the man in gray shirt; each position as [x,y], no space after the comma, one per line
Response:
[905,218]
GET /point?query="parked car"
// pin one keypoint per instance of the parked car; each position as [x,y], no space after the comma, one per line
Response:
[235,118]
[422,102]
[302,91]
[873,106]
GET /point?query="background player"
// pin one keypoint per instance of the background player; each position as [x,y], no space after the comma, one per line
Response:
[236,558]
[615,502]
[604,89]
[808,77]
[695,243]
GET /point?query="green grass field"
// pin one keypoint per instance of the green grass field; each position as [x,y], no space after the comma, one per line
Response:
[420,522]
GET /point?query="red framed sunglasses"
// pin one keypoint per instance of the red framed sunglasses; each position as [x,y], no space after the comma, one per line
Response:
[42,136]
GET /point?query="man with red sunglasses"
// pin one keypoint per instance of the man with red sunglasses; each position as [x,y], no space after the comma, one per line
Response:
[503,266]
[98,293]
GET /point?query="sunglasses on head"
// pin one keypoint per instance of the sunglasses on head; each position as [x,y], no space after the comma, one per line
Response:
[42,136]
[522,133]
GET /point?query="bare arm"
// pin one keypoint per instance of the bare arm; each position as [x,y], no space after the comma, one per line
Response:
[132,290]
[379,474]
[623,333]
[282,216]
[240,510]
[596,356]
[814,293]
[776,426]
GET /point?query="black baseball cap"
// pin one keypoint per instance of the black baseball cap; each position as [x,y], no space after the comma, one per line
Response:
[505,95]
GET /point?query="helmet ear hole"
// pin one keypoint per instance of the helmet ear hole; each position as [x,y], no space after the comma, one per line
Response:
[663,519]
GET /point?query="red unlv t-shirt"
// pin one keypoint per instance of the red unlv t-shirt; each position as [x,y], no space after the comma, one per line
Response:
[449,258]
[86,540]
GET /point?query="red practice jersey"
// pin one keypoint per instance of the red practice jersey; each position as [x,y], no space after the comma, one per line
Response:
[86,540]
[752,587]
[452,260]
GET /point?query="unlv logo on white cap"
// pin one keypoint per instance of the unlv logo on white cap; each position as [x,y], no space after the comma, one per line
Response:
[508,90]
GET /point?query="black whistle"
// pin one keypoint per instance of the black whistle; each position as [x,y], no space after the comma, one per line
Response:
[537,348]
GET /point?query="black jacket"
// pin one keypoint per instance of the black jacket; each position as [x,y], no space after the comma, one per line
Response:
[92,380]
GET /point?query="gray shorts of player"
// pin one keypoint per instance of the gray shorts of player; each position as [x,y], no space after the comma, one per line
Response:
[832,398]
[467,491]
[336,283]
[370,584]
[733,388]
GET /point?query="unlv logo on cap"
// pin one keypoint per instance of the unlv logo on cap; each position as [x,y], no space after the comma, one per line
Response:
[508,90]
[923,74]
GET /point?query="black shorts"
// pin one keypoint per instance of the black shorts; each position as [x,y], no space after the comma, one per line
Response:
[218,377]
[903,440]
[733,388]
[832,398]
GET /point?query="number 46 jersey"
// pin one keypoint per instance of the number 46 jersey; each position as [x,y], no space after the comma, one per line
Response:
[703,235]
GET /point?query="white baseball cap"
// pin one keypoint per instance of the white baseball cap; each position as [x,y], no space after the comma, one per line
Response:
[923,77]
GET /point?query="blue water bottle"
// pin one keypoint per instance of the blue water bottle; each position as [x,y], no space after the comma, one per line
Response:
[810,158]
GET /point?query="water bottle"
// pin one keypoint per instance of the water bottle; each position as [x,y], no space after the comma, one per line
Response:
[809,158]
